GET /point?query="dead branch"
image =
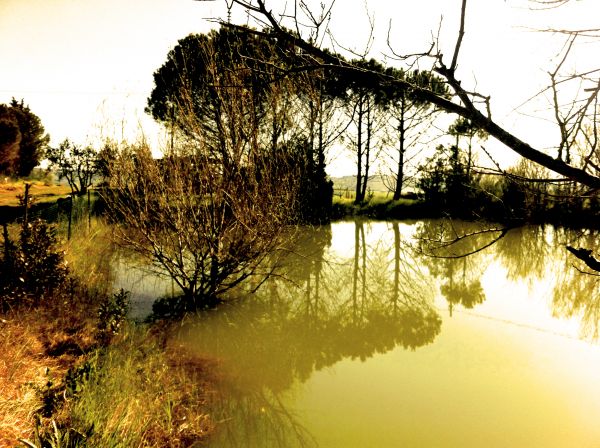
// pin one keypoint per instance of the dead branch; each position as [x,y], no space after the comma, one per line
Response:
[585,255]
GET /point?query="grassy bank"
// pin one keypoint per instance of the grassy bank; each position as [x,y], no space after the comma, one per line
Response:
[74,372]
[380,206]
[59,387]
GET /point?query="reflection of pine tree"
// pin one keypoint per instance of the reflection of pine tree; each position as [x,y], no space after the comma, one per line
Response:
[459,275]
[325,310]
[460,289]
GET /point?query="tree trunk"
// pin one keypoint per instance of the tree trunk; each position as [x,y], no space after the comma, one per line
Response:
[358,198]
[395,293]
[369,124]
[401,136]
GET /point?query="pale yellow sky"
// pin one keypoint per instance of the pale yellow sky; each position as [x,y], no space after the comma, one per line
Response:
[85,66]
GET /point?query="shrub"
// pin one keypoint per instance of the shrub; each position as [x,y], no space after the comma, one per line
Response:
[32,268]
[112,312]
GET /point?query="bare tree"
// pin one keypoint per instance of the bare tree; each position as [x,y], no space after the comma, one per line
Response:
[473,106]
[220,199]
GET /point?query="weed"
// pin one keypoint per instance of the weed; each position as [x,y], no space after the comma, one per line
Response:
[111,315]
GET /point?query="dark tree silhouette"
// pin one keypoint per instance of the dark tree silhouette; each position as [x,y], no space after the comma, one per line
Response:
[188,98]
[409,113]
[362,97]
[10,139]
[29,142]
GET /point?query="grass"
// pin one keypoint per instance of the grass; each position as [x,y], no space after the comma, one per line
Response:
[90,254]
[137,391]
[380,206]
[59,380]
[142,394]
[42,191]
[37,345]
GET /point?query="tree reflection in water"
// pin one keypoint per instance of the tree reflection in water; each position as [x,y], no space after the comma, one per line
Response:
[442,248]
[322,309]
[529,254]
[577,290]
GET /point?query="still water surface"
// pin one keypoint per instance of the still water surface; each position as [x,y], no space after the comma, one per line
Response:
[367,341]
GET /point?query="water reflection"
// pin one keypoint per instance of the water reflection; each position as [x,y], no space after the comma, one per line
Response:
[324,308]
[258,419]
[319,312]
[444,245]
[526,251]
[364,294]
[577,290]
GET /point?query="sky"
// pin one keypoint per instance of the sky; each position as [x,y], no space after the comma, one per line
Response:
[85,66]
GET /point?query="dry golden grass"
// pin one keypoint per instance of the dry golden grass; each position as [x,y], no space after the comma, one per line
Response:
[144,390]
[147,392]
[35,346]
[10,190]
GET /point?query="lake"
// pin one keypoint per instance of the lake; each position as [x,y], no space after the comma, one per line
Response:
[382,334]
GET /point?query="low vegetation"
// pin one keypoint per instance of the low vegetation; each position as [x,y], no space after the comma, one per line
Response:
[74,370]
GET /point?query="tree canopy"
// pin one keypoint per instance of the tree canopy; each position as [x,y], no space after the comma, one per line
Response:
[75,163]
[22,139]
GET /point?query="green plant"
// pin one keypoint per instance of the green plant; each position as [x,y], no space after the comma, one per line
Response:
[77,377]
[33,267]
[112,312]
[56,437]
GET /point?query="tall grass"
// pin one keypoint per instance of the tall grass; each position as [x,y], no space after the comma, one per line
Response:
[62,384]
[37,347]
[90,253]
[142,395]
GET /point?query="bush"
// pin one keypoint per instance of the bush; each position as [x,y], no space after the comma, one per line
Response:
[112,312]
[32,268]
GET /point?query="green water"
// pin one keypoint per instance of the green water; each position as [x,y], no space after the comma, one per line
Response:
[367,341]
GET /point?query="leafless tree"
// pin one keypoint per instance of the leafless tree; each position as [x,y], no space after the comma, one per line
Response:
[219,200]
[473,106]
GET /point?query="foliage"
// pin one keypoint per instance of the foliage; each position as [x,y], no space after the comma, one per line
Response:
[206,230]
[446,183]
[106,156]
[191,97]
[10,140]
[22,139]
[409,117]
[32,268]
[76,163]
[188,82]
[112,312]
[529,193]
[315,190]
[380,208]
[238,170]
[363,98]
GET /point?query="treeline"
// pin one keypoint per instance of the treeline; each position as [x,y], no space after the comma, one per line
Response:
[251,124]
